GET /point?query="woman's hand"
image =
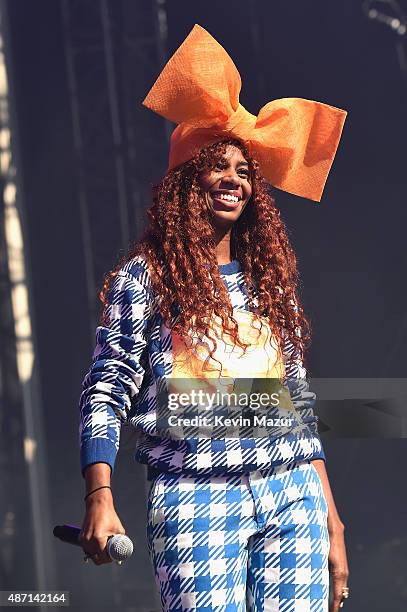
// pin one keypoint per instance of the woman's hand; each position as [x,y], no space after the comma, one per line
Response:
[100,522]
[337,561]
[338,565]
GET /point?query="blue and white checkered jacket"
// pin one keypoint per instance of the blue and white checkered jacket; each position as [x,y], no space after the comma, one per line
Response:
[135,351]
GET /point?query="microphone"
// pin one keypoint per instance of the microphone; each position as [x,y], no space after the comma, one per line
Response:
[119,547]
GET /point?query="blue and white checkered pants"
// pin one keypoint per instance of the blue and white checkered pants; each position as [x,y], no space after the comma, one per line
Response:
[256,541]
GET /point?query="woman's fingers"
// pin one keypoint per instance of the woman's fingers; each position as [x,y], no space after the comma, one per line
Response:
[101,550]
[95,548]
[101,558]
[340,581]
[100,523]
[338,567]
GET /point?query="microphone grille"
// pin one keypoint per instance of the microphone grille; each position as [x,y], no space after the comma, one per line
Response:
[119,547]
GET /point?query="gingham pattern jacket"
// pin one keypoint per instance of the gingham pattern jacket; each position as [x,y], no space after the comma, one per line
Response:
[133,355]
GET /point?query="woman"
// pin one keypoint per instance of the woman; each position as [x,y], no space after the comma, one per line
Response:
[233,520]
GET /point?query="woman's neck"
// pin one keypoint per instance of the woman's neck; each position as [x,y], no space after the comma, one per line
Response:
[223,250]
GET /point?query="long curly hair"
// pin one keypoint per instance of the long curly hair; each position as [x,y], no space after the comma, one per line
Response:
[179,248]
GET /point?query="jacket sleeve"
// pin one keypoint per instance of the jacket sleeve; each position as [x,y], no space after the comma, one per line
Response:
[301,396]
[116,374]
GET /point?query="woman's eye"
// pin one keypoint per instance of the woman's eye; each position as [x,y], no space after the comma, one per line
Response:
[244,172]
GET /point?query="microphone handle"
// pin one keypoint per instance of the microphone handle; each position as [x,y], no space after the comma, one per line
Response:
[68,534]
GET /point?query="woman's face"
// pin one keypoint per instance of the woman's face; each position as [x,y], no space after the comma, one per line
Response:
[227,187]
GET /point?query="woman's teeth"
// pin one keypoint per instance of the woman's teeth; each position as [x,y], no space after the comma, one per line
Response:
[226,196]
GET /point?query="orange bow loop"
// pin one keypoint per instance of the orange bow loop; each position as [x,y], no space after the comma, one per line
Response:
[199,85]
[295,141]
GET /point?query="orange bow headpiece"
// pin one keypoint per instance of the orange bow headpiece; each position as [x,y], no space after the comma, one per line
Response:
[294,140]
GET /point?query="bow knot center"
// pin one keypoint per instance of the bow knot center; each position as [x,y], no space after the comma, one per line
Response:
[241,123]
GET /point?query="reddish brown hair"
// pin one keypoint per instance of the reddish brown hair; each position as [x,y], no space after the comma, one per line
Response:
[179,247]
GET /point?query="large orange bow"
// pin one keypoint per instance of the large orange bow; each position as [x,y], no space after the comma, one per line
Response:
[294,140]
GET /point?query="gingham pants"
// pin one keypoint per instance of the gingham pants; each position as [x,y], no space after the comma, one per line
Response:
[256,541]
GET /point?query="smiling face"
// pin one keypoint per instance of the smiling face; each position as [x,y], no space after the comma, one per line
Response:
[227,187]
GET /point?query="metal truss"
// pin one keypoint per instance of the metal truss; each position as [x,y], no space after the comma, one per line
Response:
[25,541]
[114,50]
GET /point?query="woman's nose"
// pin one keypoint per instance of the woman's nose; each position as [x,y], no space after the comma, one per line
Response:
[231,177]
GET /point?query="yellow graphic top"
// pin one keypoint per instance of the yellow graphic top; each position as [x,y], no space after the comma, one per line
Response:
[262,359]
